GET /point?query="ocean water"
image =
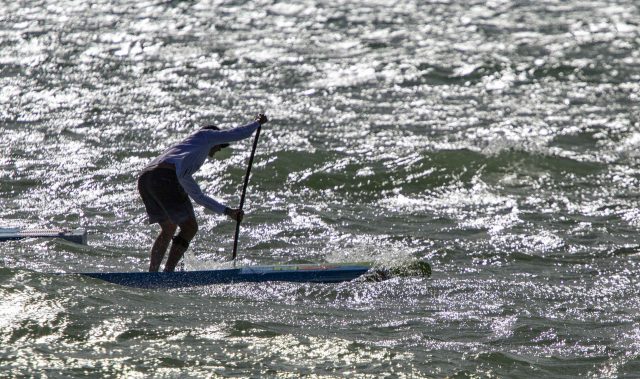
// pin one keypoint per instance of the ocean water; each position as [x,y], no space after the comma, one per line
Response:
[496,140]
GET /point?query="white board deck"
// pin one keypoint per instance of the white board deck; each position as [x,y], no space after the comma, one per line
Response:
[78,236]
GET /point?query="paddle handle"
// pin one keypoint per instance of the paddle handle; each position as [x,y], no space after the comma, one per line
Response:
[244,191]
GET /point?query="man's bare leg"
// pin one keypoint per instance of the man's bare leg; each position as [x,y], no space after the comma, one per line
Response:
[161,245]
[188,230]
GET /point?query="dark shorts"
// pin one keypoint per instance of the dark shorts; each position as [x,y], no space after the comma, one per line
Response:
[163,197]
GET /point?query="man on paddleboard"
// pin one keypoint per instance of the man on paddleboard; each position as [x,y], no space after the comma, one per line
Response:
[166,184]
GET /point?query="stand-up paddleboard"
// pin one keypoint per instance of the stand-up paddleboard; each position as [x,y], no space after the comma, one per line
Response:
[11,234]
[309,273]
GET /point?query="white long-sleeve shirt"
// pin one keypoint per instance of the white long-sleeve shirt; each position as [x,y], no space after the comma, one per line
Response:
[189,155]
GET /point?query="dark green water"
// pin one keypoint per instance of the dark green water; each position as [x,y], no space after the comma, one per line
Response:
[496,140]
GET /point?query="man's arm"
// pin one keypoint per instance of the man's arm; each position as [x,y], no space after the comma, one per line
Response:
[236,134]
[193,189]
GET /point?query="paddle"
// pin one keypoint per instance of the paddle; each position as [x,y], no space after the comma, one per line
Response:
[244,192]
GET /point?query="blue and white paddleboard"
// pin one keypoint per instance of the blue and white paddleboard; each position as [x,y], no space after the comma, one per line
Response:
[311,273]
[11,234]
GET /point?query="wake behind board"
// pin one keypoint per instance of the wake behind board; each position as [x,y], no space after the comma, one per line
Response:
[11,234]
[306,273]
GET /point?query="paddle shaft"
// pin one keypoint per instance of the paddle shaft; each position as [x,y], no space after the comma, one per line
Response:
[244,191]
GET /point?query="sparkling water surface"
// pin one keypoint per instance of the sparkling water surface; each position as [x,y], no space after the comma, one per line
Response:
[495,140]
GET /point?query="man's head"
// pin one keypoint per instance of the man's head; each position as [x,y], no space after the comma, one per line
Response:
[215,148]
